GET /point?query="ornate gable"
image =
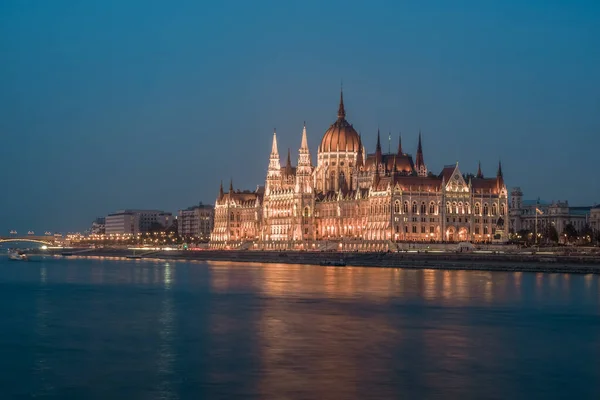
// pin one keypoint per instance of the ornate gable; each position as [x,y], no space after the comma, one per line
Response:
[456,182]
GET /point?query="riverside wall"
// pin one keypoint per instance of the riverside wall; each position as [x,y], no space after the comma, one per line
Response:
[581,263]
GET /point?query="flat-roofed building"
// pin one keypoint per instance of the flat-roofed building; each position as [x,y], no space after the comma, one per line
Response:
[136,221]
[196,222]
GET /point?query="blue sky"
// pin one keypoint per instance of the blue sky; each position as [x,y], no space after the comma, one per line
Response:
[149,104]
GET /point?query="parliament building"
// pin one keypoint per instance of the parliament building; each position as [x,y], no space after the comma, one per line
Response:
[355,200]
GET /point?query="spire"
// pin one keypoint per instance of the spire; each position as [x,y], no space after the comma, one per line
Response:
[231,185]
[378,157]
[419,161]
[499,177]
[274,151]
[479,173]
[400,152]
[221,190]
[341,110]
[288,164]
[394,165]
[304,144]
[359,154]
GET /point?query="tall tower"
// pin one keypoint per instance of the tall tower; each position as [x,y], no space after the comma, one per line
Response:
[304,168]
[274,171]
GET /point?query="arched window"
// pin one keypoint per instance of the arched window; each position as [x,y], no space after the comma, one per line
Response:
[494,209]
[397,207]
[414,207]
[448,209]
[332,181]
[477,209]
[455,207]
[231,217]
[461,209]
[405,207]
[467,208]
[306,212]
[342,179]
[423,208]
[502,209]
[485,209]
[432,208]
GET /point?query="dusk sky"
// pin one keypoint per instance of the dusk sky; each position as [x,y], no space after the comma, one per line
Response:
[113,104]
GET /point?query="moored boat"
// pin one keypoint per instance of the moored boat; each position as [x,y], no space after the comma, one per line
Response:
[17,255]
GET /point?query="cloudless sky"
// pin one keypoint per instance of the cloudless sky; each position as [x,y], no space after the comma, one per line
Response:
[115,104]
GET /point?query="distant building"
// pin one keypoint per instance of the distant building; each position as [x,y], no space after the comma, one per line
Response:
[558,214]
[196,221]
[136,221]
[595,219]
[98,226]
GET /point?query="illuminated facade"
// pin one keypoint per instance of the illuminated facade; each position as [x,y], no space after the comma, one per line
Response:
[354,200]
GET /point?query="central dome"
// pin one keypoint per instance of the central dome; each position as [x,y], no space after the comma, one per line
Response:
[340,136]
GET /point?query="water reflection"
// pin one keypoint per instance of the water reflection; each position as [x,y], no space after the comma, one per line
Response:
[154,329]
[166,356]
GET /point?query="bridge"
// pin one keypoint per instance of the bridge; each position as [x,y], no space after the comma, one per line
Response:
[47,240]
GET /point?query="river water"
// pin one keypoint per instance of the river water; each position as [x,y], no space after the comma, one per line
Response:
[142,329]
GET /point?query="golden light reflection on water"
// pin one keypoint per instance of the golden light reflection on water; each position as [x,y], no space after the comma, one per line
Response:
[383,284]
[166,357]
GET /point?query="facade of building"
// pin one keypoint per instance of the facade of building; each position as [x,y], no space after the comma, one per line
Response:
[354,200]
[595,219]
[98,226]
[135,221]
[196,221]
[536,216]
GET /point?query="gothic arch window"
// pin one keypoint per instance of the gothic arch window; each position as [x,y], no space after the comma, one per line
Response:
[477,209]
[455,207]
[423,208]
[461,209]
[397,207]
[494,209]
[405,207]
[448,208]
[502,209]
[306,212]
[468,208]
[432,208]
[342,179]
[231,217]
[414,207]
[485,209]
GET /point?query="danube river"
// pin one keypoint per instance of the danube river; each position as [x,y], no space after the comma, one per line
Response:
[143,329]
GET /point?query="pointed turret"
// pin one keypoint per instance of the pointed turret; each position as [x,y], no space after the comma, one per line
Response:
[420,162]
[274,150]
[221,194]
[341,110]
[499,177]
[378,157]
[400,152]
[394,165]
[359,154]
[479,173]
[231,185]
[288,164]
[304,144]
